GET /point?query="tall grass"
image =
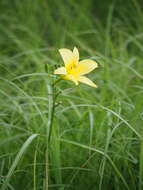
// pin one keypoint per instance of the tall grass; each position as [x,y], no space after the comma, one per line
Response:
[96,142]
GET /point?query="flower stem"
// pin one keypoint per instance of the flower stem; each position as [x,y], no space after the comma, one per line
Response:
[52,99]
[48,130]
[51,109]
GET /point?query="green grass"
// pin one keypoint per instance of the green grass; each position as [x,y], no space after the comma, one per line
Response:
[96,142]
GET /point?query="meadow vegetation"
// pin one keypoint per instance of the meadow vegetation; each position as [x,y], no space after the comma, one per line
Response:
[96,141]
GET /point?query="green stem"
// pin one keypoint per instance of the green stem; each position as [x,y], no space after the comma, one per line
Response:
[56,81]
[46,169]
[52,100]
[51,110]
[48,131]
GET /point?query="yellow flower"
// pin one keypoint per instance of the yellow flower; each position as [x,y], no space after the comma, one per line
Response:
[74,69]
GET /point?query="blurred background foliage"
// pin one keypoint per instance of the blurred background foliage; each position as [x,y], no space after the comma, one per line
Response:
[97,136]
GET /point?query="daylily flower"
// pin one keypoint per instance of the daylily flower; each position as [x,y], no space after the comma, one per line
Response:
[74,69]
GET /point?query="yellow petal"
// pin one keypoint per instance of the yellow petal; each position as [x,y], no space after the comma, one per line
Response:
[87,81]
[86,66]
[60,71]
[67,55]
[70,77]
[76,53]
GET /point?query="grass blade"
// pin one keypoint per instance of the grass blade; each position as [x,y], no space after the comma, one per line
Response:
[17,159]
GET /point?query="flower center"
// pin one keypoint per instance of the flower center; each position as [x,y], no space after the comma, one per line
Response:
[71,67]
